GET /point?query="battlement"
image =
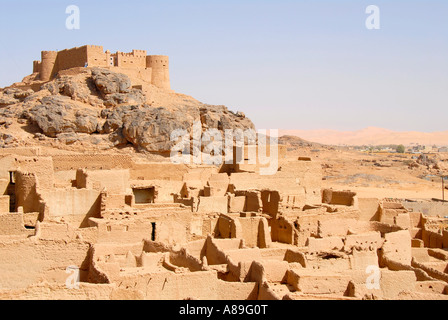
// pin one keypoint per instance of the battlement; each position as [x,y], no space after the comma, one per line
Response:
[49,54]
[158,59]
[73,49]
[139,53]
[94,47]
[134,53]
[154,68]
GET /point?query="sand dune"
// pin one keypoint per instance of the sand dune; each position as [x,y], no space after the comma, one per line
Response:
[370,136]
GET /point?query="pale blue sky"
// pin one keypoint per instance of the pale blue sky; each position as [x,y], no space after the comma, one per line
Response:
[286,64]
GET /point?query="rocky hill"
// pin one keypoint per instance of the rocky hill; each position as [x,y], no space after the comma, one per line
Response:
[97,109]
[297,142]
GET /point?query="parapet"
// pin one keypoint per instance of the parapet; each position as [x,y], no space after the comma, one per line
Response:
[139,53]
[49,54]
[94,47]
[157,60]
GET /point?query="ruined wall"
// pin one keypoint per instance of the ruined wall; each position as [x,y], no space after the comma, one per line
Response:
[213,204]
[253,200]
[345,198]
[25,262]
[428,208]
[91,162]
[115,181]
[271,201]
[254,231]
[369,208]
[216,249]
[164,189]
[314,225]
[250,228]
[130,231]
[217,185]
[282,230]
[184,260]
[168,226]
[75,205]
[86,291]
[158,171]
[237,203]
[300,178]
[247,158]
[202,285]
[41,167]
[4,202]
[7,163]
[397,247]
[12,224]
[22,151]
[25,192]
[433,239]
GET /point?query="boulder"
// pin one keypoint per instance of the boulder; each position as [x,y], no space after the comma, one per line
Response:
[59,114]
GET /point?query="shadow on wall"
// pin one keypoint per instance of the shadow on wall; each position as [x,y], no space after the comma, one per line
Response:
[94,212]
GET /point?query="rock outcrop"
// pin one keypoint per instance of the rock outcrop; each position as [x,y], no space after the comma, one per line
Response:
[101,103]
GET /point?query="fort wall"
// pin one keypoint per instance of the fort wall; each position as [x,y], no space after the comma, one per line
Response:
[71,58]
[160,71]
[96,57]
[134,59]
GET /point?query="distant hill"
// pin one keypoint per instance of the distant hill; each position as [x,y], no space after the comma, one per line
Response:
[295,141]
[370,136]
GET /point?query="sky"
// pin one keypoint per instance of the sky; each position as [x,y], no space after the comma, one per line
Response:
[286,64]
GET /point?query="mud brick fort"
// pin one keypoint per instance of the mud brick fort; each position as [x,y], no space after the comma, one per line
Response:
[152,68]
[130,226]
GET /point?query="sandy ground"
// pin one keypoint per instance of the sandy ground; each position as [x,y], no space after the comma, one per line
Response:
[378,175]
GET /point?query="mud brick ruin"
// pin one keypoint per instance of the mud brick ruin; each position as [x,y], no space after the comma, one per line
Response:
[137,228]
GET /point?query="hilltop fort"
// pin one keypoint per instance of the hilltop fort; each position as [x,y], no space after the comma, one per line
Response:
[152,68]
